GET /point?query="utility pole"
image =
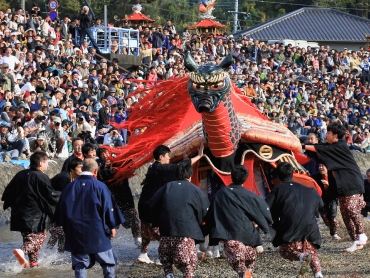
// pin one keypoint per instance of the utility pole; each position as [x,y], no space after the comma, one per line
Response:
[23,5]
[236,19]
[236,11]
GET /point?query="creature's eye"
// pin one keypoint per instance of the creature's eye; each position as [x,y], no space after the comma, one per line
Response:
[217,86]
[197,86]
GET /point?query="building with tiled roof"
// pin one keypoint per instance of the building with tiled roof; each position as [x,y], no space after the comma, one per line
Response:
[323,25]
[208,26]
[137,18]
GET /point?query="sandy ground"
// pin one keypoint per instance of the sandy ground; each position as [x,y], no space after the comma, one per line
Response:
[334,262]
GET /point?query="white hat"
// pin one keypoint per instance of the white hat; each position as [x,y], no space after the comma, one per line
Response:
[51,47]
[57,120]
[170,60]
[18,76]
[76,49]
[16,42]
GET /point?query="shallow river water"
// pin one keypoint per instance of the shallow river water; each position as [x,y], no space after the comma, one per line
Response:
[53,264]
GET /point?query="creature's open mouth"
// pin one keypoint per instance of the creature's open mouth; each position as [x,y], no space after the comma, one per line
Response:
[205,104]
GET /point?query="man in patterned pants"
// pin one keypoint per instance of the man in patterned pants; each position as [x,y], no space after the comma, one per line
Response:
[121,193]
[239,233]
[178,209]
[159,173]
[30,212]
[329,212]
[294,209]
[346,179]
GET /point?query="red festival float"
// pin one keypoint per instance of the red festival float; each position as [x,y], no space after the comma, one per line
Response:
[207,107]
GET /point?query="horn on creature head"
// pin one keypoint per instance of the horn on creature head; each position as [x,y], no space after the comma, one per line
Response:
[226,62]
[190,63]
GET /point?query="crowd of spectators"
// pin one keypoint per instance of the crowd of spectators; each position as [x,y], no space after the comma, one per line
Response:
[53,89]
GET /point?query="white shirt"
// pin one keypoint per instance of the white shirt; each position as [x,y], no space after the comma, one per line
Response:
[28,87]
[11,61]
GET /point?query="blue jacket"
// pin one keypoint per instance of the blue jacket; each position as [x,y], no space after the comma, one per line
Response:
[2,103]
[87,212]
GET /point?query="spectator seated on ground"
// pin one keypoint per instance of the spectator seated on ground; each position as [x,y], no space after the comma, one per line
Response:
[80,125]
[113,138]
[40,144]
[11,138]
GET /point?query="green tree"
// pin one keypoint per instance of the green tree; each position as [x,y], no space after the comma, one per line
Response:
[4,5]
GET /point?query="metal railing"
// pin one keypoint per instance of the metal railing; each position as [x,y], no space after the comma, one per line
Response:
[115,40]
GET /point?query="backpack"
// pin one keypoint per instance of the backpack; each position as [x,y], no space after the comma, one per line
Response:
[5,82]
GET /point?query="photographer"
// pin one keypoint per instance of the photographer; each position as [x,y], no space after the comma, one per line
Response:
[358,137]
[4,134]
[87,138]
[33,22]
[39,144]
[35,10]
[295,125]
[113,138]
[80,125]
[35,125]
[85,19]
[15,138]
[158,38]
[8,101]
[55,135]
[120,116]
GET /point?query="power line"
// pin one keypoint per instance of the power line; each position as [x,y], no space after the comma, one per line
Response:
[303,5]
[227,4]
[143,4]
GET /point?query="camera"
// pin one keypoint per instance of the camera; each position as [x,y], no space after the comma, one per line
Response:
[19,124]
[86,137]
[41,118]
